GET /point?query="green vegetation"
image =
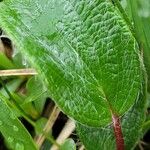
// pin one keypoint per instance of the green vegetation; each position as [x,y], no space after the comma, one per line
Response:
[88,59]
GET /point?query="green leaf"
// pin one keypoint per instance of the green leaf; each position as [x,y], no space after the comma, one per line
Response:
[28,108]
[12,86]
[5,63]
[39,125]
[18,60]
[132,126]
[36,93]
[68,145]
[13,131]
[84,52]
[140,12]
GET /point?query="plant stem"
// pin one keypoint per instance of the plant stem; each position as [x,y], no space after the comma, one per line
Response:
[118,132]
[51,120]
[51,139]
[18,72]
[82,147]
[65,133]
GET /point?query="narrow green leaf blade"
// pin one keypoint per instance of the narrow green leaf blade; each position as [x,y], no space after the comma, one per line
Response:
[13,131]
[84,51]
[140,12]
[12,86]
[5,63]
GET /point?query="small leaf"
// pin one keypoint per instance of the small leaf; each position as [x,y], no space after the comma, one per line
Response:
[5,63]
[36,93]
[39,125]
[68,145]
[13,131]
[27,107]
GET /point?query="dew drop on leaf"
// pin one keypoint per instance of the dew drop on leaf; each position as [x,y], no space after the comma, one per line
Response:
[19,146]
[24,62]
[10,139]
[15,128]
[12,116]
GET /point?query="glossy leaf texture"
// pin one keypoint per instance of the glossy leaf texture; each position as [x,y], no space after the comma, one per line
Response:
[13,131]
[84,52]
[131,122]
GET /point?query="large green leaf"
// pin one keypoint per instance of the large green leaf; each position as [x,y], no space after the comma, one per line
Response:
[14,132]
[84,51]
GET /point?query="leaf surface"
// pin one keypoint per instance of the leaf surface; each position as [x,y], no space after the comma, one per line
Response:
[13,131]
[139,10]
[84,52]
[5,62]
[37,93]
[131,122]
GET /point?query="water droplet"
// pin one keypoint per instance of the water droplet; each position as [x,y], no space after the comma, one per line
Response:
[25,62]
[19,146]
[10,139]
[1,123]
[12,116]
[15,128]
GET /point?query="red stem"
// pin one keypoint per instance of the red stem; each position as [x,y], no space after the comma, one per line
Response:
[118,132]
